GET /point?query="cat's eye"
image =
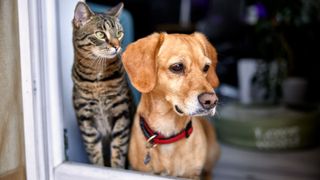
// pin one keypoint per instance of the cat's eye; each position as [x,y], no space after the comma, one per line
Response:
[206,68]
[177,68]
[100,35]
[119,34]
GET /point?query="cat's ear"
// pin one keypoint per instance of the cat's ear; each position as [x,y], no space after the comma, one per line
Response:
[115,11]
[82,14]
[139,60]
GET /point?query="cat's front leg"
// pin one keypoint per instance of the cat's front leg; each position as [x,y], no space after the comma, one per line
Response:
[92,138]
[120,141]
[93,145]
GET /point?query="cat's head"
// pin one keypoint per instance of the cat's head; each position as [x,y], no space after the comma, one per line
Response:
[97,35]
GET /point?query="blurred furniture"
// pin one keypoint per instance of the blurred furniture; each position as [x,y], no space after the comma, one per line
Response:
[267,142]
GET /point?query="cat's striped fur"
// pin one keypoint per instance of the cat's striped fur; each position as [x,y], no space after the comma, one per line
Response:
[101,95]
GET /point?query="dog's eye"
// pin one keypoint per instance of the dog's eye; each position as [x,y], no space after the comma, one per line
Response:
[206,68]
[177,68]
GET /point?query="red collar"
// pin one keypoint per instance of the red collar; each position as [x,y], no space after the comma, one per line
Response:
[154,138]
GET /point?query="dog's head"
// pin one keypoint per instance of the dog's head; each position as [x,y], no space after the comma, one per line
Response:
[179,67]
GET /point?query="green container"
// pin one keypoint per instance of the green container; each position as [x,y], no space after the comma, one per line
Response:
[267,128]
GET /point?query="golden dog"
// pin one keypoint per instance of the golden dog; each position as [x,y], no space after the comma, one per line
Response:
[176,75]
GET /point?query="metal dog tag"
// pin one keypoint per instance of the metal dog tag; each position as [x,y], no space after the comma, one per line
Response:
[147,158]
[149,145]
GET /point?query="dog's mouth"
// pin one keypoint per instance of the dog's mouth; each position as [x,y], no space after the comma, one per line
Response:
[203,112]
[178,109]
[198,112]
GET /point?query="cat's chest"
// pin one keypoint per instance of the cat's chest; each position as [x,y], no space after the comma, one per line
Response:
[102,112]
[98,90]
[100,75]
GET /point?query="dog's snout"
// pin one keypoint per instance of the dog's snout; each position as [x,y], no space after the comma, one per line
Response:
[208,100]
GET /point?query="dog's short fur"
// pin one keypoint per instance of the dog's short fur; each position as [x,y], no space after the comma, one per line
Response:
[170,99]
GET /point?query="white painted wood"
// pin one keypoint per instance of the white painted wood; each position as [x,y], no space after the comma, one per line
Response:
[40,88]
[30,54]
[52,82]
[78,171]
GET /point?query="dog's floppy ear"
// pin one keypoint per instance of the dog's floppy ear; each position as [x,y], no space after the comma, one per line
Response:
[139,62]
[211,53]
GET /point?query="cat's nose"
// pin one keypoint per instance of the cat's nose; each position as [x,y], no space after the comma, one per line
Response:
[115,43]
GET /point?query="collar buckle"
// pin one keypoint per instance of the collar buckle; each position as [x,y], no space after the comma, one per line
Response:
[150,143]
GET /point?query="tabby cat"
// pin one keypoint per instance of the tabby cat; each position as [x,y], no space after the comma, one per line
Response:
[101,96]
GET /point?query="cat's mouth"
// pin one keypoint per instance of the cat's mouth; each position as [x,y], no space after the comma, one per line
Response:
[109,53]
[112,54]
[113,51]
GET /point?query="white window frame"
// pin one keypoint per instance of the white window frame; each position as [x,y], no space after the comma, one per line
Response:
[43,120]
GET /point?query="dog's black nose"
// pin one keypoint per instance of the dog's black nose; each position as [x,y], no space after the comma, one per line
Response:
[208,100]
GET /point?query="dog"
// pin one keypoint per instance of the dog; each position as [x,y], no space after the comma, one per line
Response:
[176,75]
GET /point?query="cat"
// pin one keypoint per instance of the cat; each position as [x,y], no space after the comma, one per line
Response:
[101,96]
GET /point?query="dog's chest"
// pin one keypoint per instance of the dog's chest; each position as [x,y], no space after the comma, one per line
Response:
[174,161]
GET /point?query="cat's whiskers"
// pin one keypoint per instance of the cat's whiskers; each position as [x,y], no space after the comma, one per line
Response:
[97,65]
[100,64]
[92,63]
[103,64]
